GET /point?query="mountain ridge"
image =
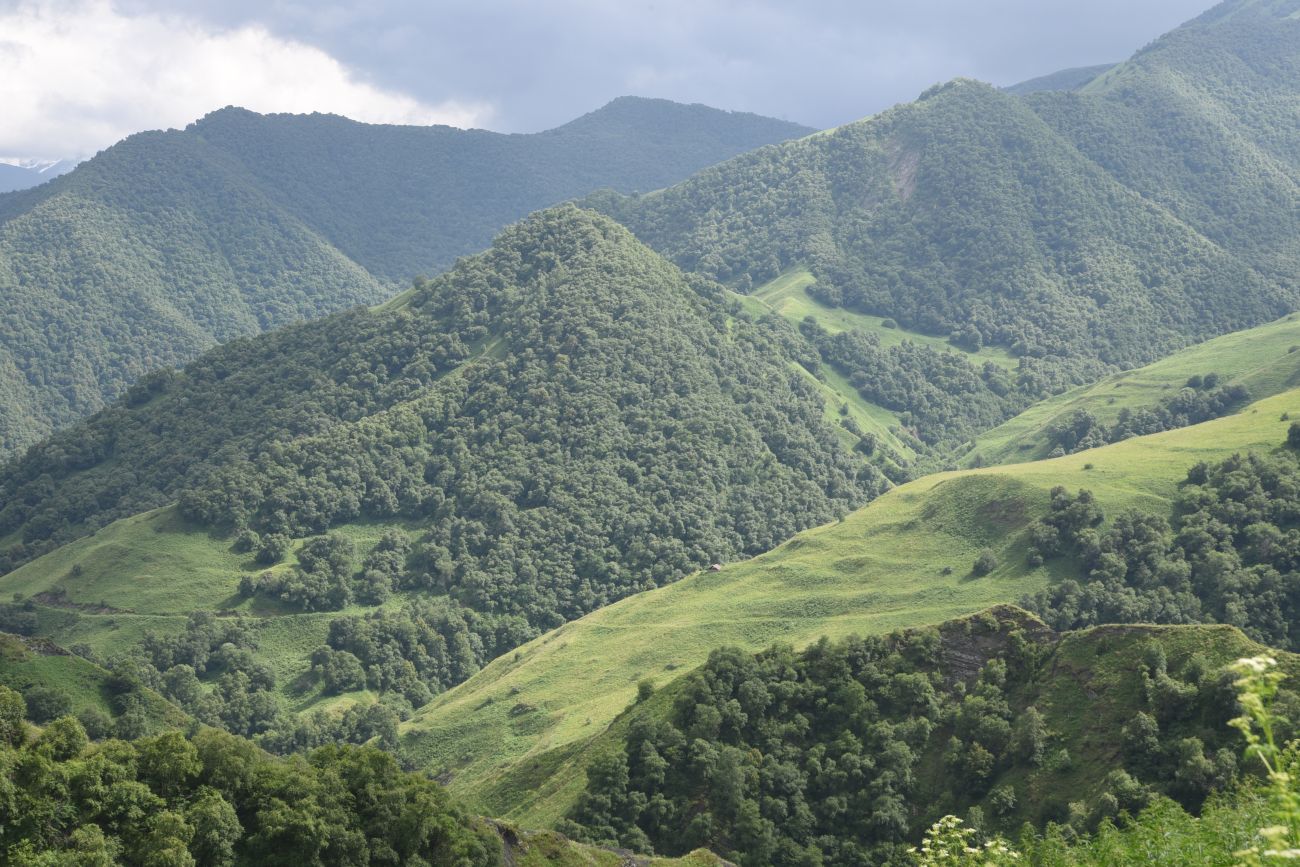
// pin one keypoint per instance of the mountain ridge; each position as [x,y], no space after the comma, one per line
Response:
[1095,229]
[172,241]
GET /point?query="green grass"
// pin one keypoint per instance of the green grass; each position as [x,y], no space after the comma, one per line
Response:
[880,569]
[1260,358]
[33,662]
[788,295]
[843,400]
[147,573]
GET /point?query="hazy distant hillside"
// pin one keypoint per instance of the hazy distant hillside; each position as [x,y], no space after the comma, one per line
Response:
[171,241]
[1063,79]
[403,201]
[22,177]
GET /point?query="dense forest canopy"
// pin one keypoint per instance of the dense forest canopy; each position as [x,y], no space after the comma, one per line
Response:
[170,242]
[212,799]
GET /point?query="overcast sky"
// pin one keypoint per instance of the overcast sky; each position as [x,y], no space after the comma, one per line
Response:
[77,75]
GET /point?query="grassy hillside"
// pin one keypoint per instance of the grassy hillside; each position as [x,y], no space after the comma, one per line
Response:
[82,687]
[788,295]
[171,242]
[548,849]
[512,737]
[1265,360]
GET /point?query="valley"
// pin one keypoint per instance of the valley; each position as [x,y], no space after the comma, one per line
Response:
[675,486]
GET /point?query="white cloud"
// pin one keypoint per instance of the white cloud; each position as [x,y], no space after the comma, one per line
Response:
[76,78]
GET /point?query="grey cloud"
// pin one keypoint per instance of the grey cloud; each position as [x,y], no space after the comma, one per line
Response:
[821,62]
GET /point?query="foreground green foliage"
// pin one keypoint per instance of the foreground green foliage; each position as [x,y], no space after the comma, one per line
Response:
[211,799]
[1250,824]
[214,799]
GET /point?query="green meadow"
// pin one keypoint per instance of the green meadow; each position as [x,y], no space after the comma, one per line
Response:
[511,741]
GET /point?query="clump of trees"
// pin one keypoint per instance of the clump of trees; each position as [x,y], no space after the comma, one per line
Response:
[417,651]
[1230,554]
[843,753]
[212,799]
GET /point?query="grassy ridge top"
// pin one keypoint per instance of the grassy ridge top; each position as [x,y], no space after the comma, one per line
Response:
[1265,360]
[512,737]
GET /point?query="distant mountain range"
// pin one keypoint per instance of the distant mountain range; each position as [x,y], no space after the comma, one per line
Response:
[21,177]
[170,242]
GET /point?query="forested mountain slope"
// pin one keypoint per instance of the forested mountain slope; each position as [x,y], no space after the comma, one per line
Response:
[402,201]
[567,342]
[1107,227]
[170,242]
[549,426]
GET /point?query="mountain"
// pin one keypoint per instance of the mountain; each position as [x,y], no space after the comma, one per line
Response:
[402,201]
[549,426]
[170,242]
[1063,79]
[15,178]
[21,177]
[1085,230]
[515,738]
